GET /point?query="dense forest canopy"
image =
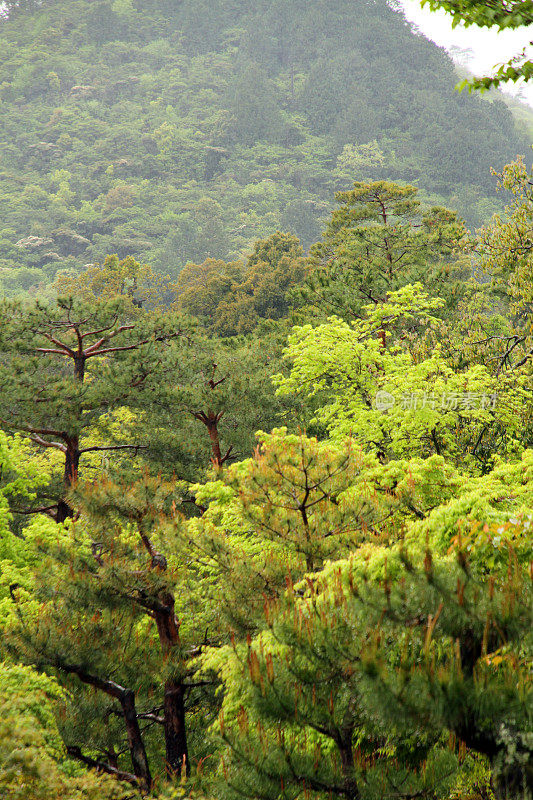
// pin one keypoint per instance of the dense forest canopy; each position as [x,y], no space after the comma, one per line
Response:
[177,131]
[266,408]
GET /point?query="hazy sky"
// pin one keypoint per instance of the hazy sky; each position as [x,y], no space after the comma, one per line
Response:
[487,47]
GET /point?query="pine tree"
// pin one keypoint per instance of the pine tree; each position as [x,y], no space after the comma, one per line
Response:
[107,606]
[378,240]
[273,517]
[63,367]
[380,678]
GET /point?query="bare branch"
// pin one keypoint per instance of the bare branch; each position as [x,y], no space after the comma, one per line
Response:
[115,349]
[153,717]
[227,455]
[36,431]
[41,510]
[80,340]
[109,687]
[523,360]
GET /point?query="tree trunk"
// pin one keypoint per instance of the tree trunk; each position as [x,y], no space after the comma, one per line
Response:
[175,730]
[212,427]
[345,745]
[64,511]
[72,454]
[348,770]
[72,461]
[174,701]
[70,476]
[79,367]
[139,758]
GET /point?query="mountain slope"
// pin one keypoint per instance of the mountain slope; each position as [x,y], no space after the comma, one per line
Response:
[178,129]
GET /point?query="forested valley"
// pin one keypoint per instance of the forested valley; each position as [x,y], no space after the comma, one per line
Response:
[266,407]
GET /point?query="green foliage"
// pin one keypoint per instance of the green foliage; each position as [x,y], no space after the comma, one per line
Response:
[107,375]
[506,250]
[379,240]
[32,755]
[233,298]
[176,132]
[137,283]
[485,516]
[395,401]
[113,356]
[340,607]
[349,689]
[114,574]
[472,12]
[275,516]
[21,475]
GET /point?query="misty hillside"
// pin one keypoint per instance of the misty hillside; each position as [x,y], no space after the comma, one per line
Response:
[177,129]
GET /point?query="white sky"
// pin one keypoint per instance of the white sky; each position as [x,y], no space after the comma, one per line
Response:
[487,47]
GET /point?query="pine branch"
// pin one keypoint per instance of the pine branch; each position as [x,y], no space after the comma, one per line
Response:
[98,449]
[115,349]
[100,330]
[109,687]
[52,350]
[523,360]
[43,443]
[42,510]
[64,347]
[149,603]
[37,431]
[153,717]
[101,766]
[126,698]
[96,346]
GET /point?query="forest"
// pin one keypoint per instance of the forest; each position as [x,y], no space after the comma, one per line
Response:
[266,405]
[175,130]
